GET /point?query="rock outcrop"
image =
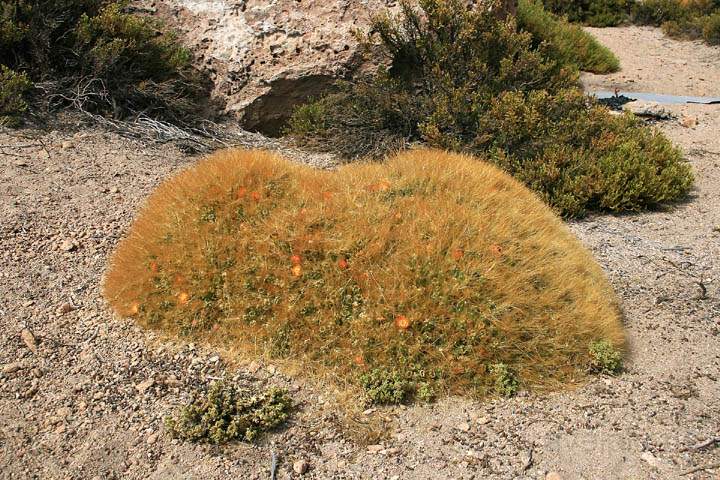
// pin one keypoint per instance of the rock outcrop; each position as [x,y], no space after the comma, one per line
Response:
[265,57]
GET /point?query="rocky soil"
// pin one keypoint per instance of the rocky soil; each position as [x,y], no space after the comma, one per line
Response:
[265,57]
[83,394]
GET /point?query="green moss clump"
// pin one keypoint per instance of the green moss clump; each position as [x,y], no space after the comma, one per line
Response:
[506,381]
[604,358]
[225,413]
[383,387]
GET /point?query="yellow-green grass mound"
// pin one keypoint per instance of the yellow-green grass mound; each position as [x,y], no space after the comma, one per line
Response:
[433,270]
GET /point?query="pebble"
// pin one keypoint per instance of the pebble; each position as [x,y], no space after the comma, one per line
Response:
[12,367]
[29,340]
[375,448]
[114,190]
[66,308]
[553,476]
[143,386]
[649,458]
[463,427]
[301,466]
[152,438]
[67,144]
[688,122]
[68,245]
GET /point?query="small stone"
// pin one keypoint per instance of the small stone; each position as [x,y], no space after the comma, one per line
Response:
[463,427]
[688,122]
[553,476]
[68,246]
[12,367]
[253,367]
[483,420]
[375,448]
[142,387]
[66,308]
[368,411]
[301,466]
[649,458]
[114,190]
[214,359]
[152,438]
[29,340]
[67,144]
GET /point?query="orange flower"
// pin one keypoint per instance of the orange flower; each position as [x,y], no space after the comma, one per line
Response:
[496,250]
[183,298]
[343,264]
[295,259]
[134,308]
[402,322]
[458,253]
[359,360]
[327,195]
[297,271]
[241,192]
[255,196]
[153,267]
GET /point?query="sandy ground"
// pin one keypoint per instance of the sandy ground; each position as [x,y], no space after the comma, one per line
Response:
[88,402]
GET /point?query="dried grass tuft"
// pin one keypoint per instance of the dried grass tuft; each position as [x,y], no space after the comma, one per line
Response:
[433,266]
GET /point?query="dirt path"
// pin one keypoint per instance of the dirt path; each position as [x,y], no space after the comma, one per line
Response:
[89,402]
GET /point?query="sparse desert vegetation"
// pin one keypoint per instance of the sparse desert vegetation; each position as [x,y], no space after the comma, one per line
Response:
[456,264]
[684,19]
[352,274]
[498,96]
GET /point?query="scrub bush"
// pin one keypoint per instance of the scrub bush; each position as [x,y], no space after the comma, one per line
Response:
[570,43]
[461,80]
[595,13]
[96,56]
[13,86]
[398,280]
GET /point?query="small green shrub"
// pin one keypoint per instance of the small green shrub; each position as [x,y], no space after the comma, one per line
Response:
[383,387]
[569,43]
[604,358]
[595,13]
[506,381]
[96,56]
[12,104]
[711,29]
[699,19]
[225,413]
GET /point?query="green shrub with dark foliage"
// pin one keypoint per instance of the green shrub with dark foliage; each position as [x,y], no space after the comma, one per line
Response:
[693,19]
[462,80]
[99,57]
[13,86]
[596,13]
[225,413]
[688,19]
